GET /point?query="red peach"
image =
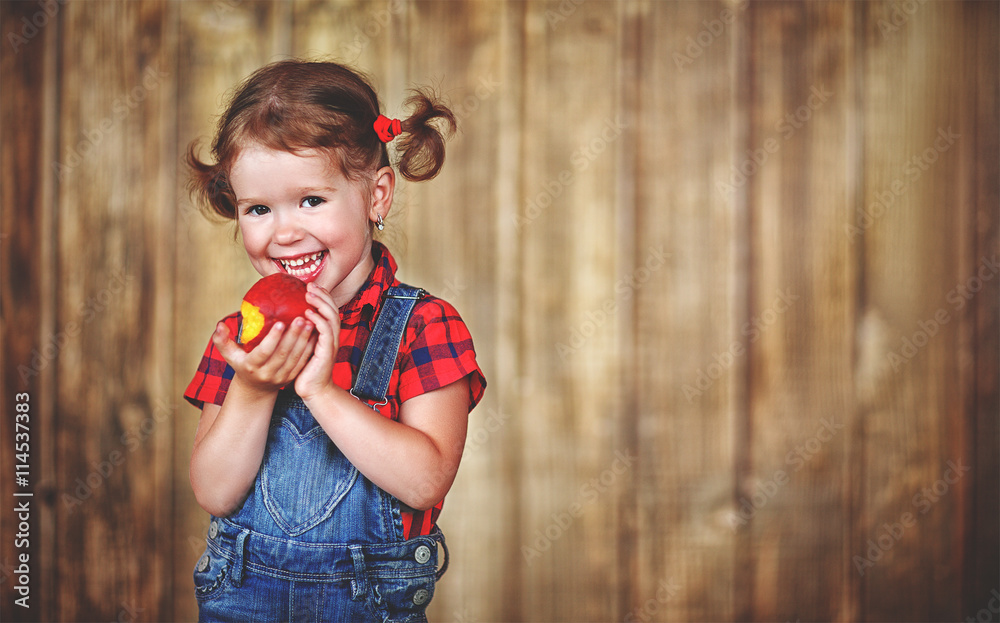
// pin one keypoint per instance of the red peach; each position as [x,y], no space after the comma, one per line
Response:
[278,297]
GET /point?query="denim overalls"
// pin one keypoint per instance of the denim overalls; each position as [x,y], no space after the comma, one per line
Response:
[315,540]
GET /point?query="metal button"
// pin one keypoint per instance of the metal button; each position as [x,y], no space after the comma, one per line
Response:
[423,554]
[213,530]
[203,563]
[421,597]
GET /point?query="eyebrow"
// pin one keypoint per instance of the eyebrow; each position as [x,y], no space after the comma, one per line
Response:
[312,190]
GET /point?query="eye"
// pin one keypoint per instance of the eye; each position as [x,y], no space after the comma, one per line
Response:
[258,210]
[312,202]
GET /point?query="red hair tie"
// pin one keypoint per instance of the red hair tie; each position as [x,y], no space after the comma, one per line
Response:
[387,129]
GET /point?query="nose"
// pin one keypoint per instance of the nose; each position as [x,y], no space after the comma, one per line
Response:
[287,229]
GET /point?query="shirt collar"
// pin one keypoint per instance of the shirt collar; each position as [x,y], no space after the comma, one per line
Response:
[364,305]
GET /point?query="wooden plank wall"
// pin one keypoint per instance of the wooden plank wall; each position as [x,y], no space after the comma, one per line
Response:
[731,269]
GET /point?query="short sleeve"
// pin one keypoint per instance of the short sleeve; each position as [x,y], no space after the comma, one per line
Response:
[211,380]
[438,352]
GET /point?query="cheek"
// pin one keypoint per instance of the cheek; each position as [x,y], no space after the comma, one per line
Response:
[347,232]
[254,242]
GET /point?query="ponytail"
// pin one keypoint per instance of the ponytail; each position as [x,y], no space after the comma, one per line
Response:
[421,147]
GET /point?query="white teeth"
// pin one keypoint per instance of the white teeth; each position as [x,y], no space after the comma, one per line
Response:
[303,265]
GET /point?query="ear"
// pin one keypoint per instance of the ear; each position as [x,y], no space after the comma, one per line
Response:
[382,191]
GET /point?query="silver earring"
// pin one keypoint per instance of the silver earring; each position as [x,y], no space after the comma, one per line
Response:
[380,224]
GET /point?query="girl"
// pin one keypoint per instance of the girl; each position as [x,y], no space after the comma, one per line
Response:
[324,454]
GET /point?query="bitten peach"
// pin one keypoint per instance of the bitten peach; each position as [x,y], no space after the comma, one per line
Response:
[278,297]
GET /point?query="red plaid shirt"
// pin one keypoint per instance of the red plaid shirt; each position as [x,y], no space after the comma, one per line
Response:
[436,351]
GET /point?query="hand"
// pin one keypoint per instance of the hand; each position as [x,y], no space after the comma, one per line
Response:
[276,361]
[317,375]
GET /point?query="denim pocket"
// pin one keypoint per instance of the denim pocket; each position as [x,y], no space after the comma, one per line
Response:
[304,475]
[210,575]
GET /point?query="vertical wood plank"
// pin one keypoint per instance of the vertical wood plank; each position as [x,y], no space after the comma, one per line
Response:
[684,302]
[509,299]
[800,320]
[447,243]
[979,330]
[907,554]
[628,71]
[27,78]
[571,456]
[112,405]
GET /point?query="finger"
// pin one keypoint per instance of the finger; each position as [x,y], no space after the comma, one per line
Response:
[323,302]
[229,349]
[328,332]
[265,349]
[305,357]
[316,373]
[292,347]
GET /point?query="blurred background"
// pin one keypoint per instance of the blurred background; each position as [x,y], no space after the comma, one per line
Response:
[731,269]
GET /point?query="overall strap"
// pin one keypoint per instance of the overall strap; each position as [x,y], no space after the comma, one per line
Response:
[380,353]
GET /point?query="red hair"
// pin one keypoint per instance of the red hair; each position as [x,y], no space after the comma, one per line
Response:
[293,105]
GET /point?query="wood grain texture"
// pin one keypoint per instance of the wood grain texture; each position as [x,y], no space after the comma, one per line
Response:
[569,447]
[798,326]
[26,289]
[910,264]
[681,276]
[731,270]
[979,240]
[458,207]
[113,259]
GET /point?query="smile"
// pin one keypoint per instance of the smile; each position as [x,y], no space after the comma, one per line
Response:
[305,267]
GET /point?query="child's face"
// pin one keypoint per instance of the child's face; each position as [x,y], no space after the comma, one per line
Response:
[300,215]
